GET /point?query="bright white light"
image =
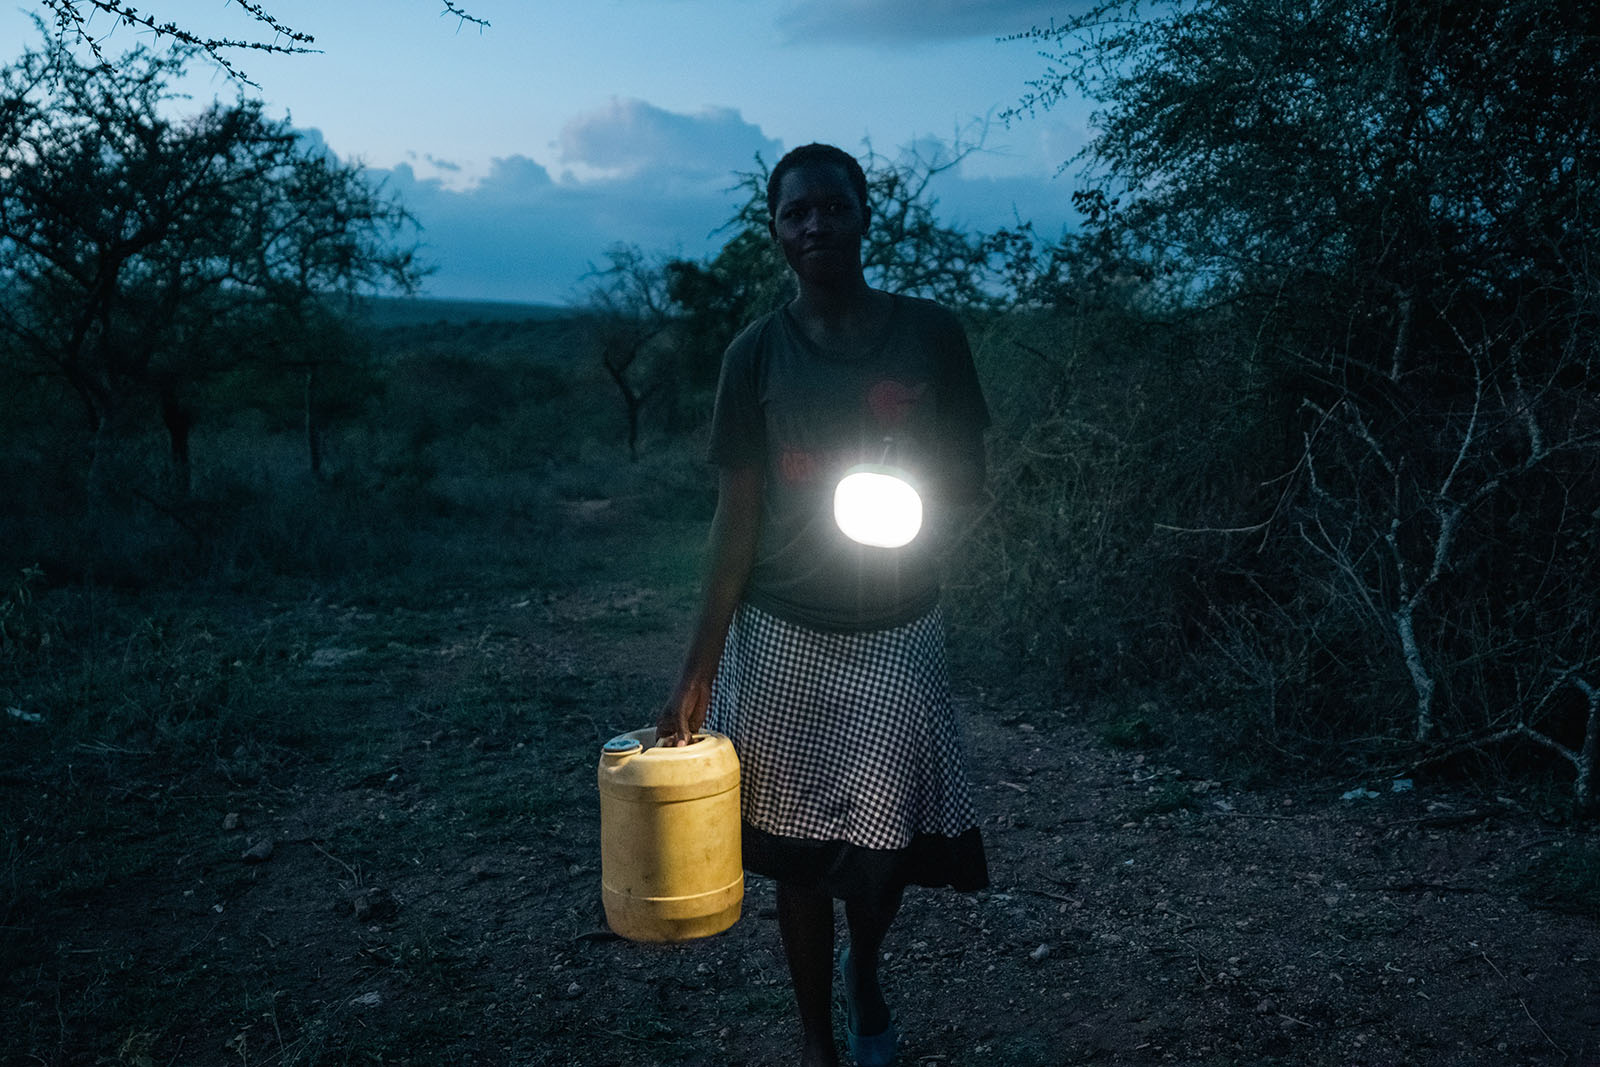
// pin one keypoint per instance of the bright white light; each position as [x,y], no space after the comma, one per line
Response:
[876,507]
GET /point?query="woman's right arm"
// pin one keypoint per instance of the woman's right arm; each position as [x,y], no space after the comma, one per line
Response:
[734,531]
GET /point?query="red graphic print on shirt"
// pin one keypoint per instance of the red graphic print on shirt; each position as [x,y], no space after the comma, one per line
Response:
[892,402]
[797,467]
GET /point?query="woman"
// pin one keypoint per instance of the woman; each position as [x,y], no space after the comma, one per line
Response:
[822,658]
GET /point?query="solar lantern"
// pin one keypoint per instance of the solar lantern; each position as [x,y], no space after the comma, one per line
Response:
[875,504]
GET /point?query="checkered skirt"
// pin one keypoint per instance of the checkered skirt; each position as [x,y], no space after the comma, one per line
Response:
[843,737]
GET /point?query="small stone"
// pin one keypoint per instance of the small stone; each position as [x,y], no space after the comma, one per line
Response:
[259,852]
[1039,953]
[574,991]
[367,1000]
[375,905]
[230,821]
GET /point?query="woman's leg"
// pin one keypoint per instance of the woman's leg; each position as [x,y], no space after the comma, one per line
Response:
[869,918]
[805,919]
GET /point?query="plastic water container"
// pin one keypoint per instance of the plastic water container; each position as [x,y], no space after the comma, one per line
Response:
[670,866]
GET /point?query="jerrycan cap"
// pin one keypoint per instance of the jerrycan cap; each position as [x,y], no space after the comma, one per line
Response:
[622,745]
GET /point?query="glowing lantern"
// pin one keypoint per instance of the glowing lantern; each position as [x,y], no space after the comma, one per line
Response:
[876,505]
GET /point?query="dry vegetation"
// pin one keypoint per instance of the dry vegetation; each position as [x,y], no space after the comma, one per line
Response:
[1278,636]
[322,793]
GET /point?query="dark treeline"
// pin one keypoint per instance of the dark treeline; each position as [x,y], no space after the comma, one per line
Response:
[1301,422]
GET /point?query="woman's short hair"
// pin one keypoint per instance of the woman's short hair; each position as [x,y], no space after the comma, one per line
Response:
[810,154]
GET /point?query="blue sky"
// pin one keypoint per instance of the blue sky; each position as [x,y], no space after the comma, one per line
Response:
[526,148]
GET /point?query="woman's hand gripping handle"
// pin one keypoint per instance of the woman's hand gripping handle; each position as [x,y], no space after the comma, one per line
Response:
[684,713]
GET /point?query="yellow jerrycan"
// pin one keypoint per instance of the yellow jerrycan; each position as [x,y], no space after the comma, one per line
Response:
[670,867]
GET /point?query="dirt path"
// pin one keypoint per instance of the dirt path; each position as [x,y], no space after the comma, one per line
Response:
[429,895]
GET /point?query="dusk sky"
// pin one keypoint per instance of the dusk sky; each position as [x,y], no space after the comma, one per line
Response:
[528,147]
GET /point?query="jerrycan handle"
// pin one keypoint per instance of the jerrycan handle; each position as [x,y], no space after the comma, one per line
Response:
[693,741]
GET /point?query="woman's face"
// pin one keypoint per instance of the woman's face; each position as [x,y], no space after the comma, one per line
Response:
[819,223]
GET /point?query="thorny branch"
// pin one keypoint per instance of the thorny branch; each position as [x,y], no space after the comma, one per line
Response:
[73,24]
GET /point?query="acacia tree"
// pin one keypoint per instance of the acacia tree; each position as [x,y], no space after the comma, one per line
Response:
[631,320]
[141,255]
[1396,198]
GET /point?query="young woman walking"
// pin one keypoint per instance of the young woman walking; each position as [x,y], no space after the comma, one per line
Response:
[820,656]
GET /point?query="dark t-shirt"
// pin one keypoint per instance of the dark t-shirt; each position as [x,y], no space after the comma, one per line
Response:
[805,415]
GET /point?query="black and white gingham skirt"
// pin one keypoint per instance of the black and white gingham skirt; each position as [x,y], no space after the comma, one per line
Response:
[852,773]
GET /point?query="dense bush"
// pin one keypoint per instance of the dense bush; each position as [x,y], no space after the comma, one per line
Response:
[1388,208]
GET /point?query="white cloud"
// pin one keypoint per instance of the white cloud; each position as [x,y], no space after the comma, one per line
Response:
[519,233]
[310,141]
[631,137]
[514,179]
[645,176]
[990,203]
[881,21]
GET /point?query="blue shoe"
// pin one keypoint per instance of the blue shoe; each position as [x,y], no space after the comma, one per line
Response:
[869,1050]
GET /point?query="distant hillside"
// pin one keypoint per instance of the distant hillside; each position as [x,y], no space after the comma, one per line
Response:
[389,311]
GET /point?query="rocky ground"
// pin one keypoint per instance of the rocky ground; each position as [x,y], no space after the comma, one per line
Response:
[418,883]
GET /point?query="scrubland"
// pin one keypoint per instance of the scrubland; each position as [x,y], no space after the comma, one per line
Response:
[297,769]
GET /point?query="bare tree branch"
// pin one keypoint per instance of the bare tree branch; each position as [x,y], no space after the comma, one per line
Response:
[74,24]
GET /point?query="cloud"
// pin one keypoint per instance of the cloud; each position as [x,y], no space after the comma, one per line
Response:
[635,173]
[309,140]
[632,137]
[514,178]
[520,233]
[897,21]
[986,204]
[638,174]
